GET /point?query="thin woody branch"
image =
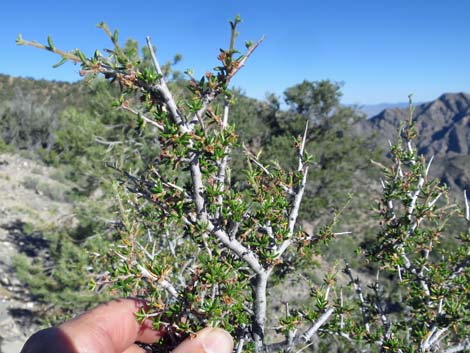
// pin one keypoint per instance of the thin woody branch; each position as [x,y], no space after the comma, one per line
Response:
[145,273]
[317,325]
[467,206]
[63,54]
[294,214]
[208,98]
[222,173]
[302,148]
[142,116]
[238,248]
[359,292]
[298,195]
[304,337]
[163,89]
[242,62]
[459,347]
[165,284]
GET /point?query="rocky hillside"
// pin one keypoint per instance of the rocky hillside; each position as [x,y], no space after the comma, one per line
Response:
[30,197]
[444,132]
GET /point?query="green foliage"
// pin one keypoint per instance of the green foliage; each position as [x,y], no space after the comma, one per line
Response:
[204,237]
[59,275]
[427,284]
[29,110]
[314,100]
[339,155]
[4,147]
[215,287]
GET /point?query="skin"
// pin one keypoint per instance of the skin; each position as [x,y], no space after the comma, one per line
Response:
[112,328]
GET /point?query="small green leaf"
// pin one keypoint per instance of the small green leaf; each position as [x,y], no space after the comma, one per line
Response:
[49,42]
[61,62]
[80,54]
[140,122]
[115,36]
[97,54]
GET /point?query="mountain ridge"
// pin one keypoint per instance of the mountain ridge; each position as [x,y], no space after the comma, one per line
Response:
[372,110]
[443,127]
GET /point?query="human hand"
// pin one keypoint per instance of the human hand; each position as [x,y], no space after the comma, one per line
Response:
[112,328]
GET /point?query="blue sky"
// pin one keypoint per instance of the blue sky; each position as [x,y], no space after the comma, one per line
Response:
[382,50]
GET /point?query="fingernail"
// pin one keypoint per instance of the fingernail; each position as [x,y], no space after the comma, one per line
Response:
[216,340]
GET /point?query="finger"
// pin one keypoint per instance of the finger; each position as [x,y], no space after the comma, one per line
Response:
[48,340]
[109,328]
[208,340]
[54,340]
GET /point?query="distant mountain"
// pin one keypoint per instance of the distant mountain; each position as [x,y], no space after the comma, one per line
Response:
[373,109]
[444,132]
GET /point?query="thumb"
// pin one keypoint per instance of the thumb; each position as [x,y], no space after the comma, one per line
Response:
[208,340]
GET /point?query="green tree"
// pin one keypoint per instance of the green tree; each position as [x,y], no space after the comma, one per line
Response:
[340,156]
[315,100]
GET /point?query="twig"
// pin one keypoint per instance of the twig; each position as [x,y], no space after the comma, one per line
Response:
[293,214]
[238,248]
[210,97]
[163,89]
[240,345]
[63,54]
[165,284]
[302,148]
[253,159]
[317,324]
[142,116]
[223,165]
[459,347]
[242,62]
[467,206]
[429,165]
[358,290]
[299,193]
[438,336]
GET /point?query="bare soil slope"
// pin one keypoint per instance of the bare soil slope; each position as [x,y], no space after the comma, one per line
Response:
[28,196]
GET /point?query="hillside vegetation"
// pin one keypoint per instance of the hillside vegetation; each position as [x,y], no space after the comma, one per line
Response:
[74,128]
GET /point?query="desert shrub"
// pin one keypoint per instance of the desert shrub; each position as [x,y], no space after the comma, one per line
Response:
[203,250]
[55,263]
